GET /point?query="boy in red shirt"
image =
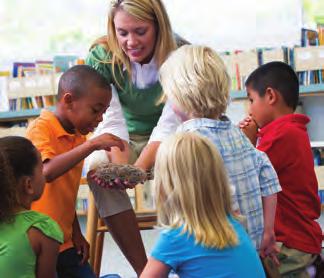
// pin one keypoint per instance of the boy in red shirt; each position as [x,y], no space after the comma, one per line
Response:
[273,92]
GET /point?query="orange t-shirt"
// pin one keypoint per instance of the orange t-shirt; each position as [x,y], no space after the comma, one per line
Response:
[59,197]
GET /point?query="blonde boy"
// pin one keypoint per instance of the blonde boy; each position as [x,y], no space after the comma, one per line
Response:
[197,85]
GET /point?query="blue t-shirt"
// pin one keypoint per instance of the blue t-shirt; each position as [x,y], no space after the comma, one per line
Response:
[190,260]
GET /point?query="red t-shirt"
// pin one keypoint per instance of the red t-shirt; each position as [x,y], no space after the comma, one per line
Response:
[286,142]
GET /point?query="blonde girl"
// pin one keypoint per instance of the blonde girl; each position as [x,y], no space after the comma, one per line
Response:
[201,238]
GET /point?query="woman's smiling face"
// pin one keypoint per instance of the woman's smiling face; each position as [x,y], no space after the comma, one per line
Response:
[136,37]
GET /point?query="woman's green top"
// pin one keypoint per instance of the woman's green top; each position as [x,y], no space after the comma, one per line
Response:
[139,105]
[17,258]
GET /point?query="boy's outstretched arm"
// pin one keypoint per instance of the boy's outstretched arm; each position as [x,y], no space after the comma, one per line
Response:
[268,244]
[60,164]
[249,128]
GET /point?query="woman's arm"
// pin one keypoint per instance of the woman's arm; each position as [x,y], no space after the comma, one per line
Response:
[166,125]
[118,156]
[147,157]
[155,269]
[114,121]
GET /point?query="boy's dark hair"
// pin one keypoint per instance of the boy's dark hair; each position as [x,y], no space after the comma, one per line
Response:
[18,157]
[79,79]
[279,76]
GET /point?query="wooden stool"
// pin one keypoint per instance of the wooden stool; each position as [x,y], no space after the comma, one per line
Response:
[96,227]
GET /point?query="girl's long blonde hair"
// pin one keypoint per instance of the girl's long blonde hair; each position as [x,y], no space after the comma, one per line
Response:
[147,10]
[192,190]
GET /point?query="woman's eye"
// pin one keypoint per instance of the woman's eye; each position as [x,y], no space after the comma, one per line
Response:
[122,33]
[140,32]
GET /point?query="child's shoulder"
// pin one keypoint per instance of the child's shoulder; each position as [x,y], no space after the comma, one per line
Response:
[44,121]
[43,223]
[46,125]
[288,127]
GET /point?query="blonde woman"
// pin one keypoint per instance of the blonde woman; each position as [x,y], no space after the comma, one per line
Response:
[139,40]
[197,85]
[201,238]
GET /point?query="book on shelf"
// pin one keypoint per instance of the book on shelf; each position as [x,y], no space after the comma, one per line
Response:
[81,206]
[19,68]
[273,54]
[63,62]
[309,59]
[239,65]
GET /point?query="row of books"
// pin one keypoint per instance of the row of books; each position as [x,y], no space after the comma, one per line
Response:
[33,85]
[60,63]
[307,60]
[312,38]
[36,102]
[82,200]
[81,206]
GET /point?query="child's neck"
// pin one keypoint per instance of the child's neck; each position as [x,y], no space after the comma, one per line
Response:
[212,117]
[25,201]
[282,111]
[61,116]
[21,208]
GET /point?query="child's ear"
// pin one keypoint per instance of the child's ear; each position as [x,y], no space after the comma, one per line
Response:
[26,184]
[67,99]
[271,95]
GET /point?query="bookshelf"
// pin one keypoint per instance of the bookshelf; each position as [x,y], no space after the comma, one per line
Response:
[21,114]
[305,90]
[239,65]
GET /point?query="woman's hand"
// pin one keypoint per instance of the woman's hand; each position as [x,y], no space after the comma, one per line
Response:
[117,183]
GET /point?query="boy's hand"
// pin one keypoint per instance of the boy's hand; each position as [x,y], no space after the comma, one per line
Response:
[268,247]
[82,246]
[106,141]
[250,129]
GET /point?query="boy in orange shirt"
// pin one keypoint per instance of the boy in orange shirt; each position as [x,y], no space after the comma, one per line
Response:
[83,96]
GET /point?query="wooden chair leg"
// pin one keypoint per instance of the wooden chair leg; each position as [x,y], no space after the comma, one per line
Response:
[92,223]
[98,253]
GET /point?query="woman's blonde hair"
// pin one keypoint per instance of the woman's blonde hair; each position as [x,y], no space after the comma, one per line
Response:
[195,79]
[192,190]
[147,10]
